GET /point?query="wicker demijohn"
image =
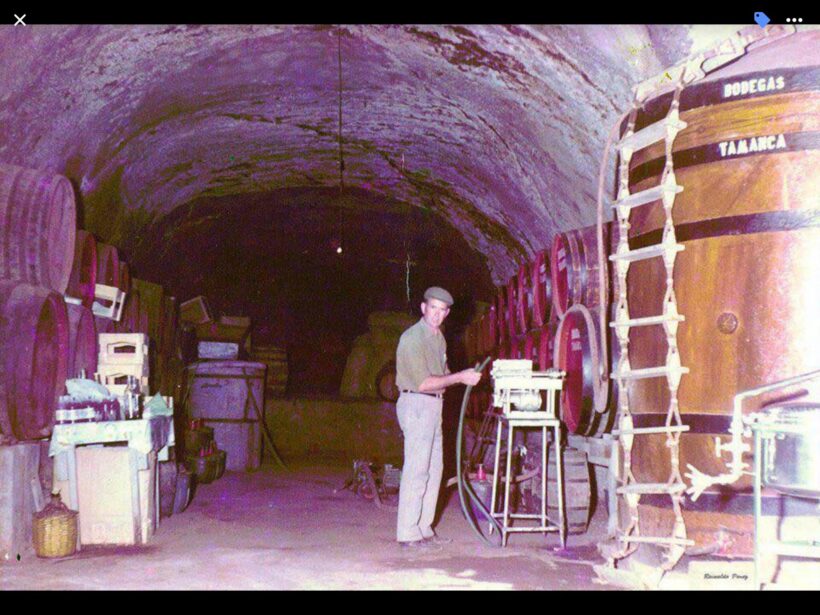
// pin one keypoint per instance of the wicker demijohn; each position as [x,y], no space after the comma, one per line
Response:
[55,530]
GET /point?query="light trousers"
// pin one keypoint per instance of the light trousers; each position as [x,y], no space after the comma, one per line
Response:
[420,421]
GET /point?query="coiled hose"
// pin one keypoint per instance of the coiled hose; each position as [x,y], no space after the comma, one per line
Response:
[465,487]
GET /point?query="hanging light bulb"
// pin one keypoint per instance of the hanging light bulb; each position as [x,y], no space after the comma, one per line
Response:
[339,250]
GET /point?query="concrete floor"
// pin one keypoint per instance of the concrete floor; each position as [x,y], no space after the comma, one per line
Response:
[287,530]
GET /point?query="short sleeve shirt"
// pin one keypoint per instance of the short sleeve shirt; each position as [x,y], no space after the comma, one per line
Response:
[422,352]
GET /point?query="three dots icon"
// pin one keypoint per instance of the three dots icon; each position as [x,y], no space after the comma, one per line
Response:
[794,20]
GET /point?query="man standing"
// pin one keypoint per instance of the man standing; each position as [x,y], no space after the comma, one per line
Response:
[421,376]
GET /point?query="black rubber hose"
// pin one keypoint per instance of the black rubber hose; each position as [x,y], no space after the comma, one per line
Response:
[464,487]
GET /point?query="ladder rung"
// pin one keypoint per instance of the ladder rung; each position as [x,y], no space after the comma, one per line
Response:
[648,372]
[646,253]
[638,431]
[649,320]
[649,135]
[646,196]
[646,488]
[664,540]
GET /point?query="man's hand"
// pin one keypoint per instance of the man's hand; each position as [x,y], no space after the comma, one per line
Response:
[437,384]
[469,377]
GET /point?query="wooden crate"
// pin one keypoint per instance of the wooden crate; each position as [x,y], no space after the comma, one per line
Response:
[195,311]
[115,377]
[108,302]
[119,348]
[236,321]
[222,332]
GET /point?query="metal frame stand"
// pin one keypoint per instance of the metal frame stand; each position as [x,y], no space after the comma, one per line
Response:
[791,548]
[544,422]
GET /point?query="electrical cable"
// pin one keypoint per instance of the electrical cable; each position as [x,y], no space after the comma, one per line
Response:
[464,487]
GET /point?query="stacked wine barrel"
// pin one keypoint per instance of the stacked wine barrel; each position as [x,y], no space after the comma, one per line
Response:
[527,321]
[549,312]
[518,324]
[581,280]
[37,248]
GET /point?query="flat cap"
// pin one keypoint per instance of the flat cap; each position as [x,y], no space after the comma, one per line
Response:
[436,292]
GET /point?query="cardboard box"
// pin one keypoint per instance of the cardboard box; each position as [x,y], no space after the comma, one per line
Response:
[117,501]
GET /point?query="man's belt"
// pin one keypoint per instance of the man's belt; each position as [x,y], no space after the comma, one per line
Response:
[438,395]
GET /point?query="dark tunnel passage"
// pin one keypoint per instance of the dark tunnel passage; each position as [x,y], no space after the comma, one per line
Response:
[274,257]
[214,236]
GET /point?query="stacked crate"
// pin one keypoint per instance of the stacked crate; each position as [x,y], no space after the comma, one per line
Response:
[123,355]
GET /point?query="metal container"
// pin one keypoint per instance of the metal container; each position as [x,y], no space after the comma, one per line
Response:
[791,449]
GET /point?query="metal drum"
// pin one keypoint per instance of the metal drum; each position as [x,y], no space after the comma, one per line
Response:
[791,453]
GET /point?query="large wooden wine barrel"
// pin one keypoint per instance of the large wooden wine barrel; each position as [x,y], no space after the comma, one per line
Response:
[489,329]
[82,341]
[546,346]
[84,269]
[511,304]
[39,225]
[478,338]
[518,347]
[523,310]
[108,265]
[33,359]
[747,281]
[530,349]
[502,332]
[541,288]
[577,352]
[105,325]
[471,340]
[574,267]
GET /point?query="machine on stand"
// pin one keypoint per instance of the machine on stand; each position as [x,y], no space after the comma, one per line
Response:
[525,399]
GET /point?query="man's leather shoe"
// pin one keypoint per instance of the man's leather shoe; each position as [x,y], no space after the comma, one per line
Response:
[414,545]
[438,540]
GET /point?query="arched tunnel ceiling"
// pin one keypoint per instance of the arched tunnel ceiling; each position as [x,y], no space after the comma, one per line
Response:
[500,129]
